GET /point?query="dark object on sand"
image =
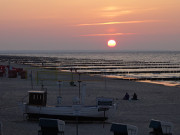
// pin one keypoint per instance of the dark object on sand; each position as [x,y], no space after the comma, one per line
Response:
[1,126]
[12,74]
[134,97]
[72,83]
[126,97]
[23,74]
[51,127]
[160,127]
[1,74]
[2,70]
[123,129]
[19,70]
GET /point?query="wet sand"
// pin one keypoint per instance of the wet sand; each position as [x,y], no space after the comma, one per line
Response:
[155,102]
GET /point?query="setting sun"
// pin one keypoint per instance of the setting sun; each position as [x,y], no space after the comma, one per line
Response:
[111,43]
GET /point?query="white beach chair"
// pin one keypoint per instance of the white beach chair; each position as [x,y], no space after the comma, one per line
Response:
[51,127]
[123,129]
[160,127]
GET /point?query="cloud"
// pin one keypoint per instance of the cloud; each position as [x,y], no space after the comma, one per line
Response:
[109,34]
[110,8]
[116,13]
[112,11]
[125,22]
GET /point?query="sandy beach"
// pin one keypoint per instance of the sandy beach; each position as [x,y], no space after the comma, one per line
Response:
[155,102]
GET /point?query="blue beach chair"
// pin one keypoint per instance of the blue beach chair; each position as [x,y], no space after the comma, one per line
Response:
[123,129]
[51,127]
[160,127]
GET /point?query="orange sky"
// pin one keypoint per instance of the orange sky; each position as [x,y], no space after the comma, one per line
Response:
[88,25]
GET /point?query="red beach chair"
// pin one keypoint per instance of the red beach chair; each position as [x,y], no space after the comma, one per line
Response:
[12,74]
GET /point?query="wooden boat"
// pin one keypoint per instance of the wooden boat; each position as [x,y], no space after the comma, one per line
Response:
[37,108]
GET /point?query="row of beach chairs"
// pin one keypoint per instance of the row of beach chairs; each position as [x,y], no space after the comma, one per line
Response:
[159,128]
[12,72]
[56,127]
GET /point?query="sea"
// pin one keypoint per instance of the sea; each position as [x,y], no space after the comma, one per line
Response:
[160,67]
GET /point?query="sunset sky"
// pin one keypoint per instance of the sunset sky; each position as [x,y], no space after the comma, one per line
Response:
[89,24]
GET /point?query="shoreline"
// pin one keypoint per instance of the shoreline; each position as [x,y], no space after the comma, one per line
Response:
[153,81]
[49,63]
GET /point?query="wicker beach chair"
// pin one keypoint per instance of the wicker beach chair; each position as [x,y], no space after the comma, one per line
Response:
[160,127]
[51,127]
[123,129]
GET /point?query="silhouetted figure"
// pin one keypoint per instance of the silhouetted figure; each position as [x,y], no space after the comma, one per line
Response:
[134,96]
[126,97]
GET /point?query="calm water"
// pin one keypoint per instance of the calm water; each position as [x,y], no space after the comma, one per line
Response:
[125,56]
[142,65]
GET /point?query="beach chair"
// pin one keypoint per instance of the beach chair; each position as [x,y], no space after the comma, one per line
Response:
[1,73]
[160,127]
[123,129]
[51,127]
[12,74]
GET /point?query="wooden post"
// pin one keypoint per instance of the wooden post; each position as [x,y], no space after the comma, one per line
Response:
[60,88]
[79,86]
[1,128]
[37,77]
[79,90]
[77,128]
[31,80]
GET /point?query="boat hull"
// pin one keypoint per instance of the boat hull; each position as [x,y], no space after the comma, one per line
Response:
[65,112]
[34,116]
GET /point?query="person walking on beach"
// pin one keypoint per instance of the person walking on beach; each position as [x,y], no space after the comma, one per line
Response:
[126,97]
[134,96]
